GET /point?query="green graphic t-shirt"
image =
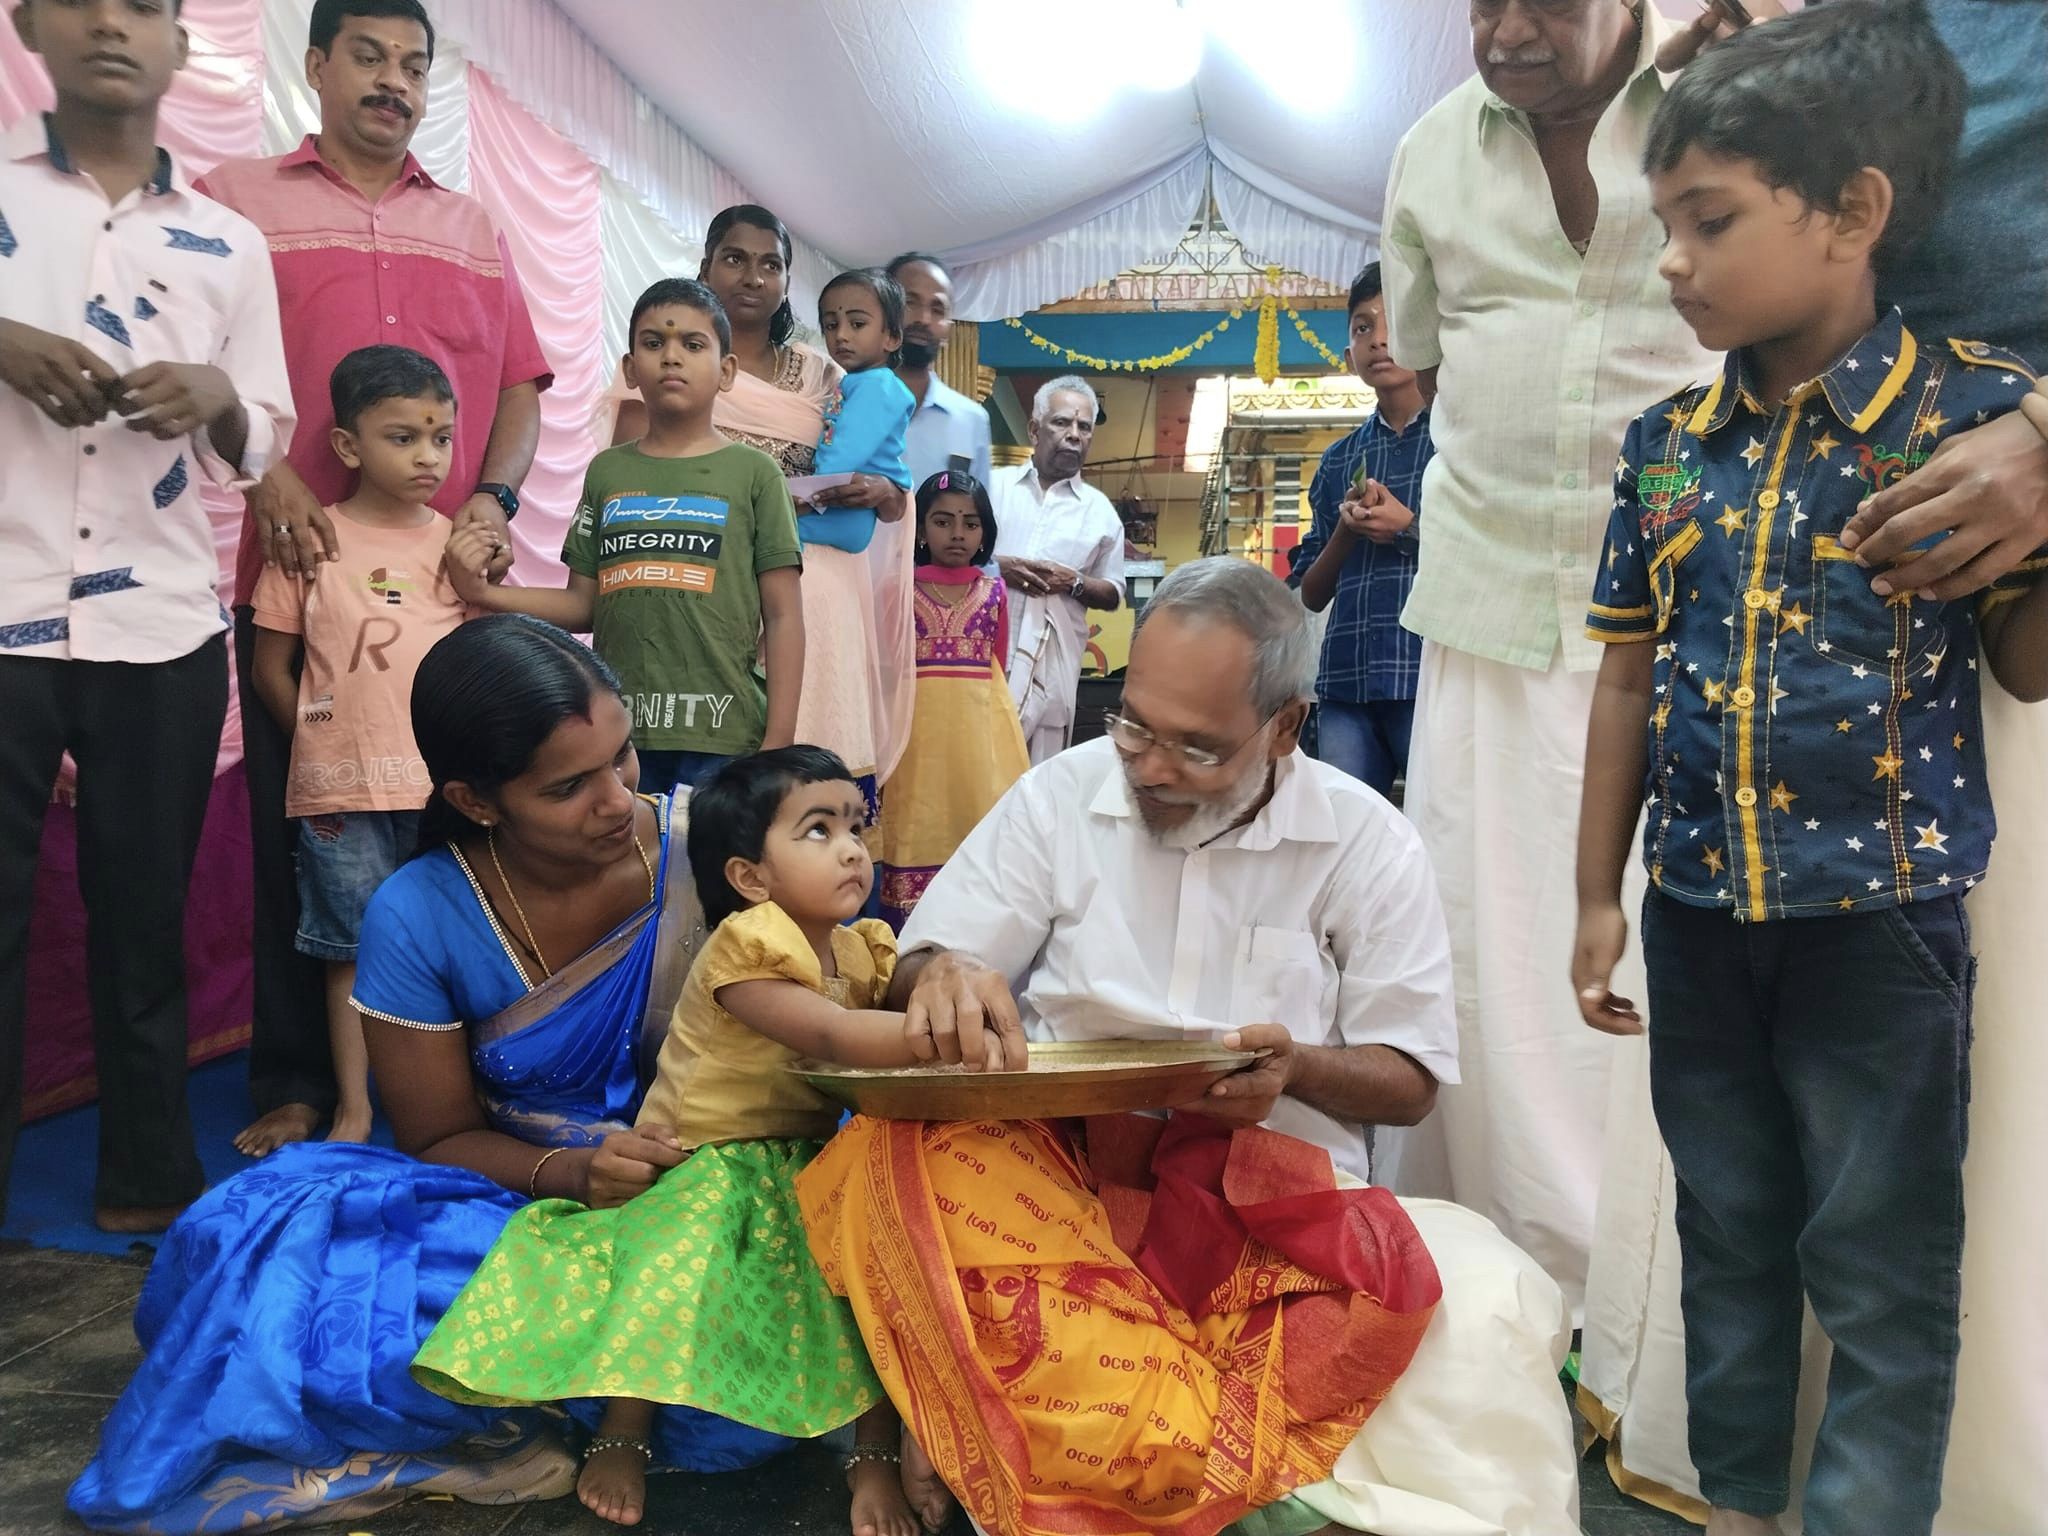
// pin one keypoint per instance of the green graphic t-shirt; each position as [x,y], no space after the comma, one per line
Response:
[677,548]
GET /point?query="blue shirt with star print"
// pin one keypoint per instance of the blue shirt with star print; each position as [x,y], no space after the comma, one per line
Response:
[1814,748]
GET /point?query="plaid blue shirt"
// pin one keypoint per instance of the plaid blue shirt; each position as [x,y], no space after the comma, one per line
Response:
[1367,655]
[1813,747]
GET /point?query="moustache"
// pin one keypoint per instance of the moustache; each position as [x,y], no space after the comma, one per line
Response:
[387,104]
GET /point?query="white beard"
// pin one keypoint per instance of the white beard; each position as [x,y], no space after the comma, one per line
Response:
[1213,818]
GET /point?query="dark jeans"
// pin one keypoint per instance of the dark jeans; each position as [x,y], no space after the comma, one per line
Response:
[290,1059]
[661,770]
[1811,1078]
[144,738]
[1367,741]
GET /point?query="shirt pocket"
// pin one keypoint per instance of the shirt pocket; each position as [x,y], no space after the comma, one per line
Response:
[1277,979]
[459,324]
[1852,625]
[1664,564]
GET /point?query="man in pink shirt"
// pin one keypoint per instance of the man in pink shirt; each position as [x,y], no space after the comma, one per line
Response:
[367,249]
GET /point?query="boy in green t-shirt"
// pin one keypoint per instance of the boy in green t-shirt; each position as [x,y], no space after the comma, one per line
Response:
[683,558]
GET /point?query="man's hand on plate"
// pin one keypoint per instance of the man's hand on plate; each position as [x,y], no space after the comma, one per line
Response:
[961,1011]
[1247,1096]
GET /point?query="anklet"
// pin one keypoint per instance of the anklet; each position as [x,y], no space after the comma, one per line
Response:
[618,1443]
[871,1452]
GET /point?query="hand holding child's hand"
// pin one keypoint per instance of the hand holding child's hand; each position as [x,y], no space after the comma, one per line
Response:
[471,549]
[1602,939]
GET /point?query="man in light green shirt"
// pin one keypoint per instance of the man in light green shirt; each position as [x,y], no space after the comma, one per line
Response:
[1520,258]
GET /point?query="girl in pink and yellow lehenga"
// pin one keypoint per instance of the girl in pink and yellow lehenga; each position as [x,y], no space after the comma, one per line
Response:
[965,746]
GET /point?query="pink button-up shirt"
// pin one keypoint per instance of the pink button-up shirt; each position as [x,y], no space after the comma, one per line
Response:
[422,267]
[105,551]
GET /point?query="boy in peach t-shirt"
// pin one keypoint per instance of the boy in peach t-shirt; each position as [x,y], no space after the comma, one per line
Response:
[357,781]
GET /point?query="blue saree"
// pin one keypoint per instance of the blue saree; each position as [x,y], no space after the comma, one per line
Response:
[283,1311]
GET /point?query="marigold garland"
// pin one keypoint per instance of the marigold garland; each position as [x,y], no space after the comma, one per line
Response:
[1265,354]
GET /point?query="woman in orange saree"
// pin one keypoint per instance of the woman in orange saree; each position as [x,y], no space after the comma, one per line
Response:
[1147,1326]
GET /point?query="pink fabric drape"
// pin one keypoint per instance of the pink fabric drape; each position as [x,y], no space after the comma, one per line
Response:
[544,192]
[215,106]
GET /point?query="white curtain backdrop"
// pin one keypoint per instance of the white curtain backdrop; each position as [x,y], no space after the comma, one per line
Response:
[640,248]
[1282,225]
[1039,159]
[555,72]
[1074,248]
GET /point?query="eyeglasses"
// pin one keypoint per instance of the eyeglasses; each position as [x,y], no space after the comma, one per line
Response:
[1131,739]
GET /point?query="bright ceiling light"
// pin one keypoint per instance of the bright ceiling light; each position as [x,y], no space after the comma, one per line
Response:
[1270,43]
[1031,62]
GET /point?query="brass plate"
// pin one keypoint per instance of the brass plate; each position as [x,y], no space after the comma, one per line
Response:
[1077,1077]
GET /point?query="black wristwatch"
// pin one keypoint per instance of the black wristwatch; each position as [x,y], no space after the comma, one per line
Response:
[503,495]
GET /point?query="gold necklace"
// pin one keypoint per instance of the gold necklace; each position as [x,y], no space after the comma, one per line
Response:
[491,842]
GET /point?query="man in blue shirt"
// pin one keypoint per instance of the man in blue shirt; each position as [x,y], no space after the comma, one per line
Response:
[946,425]
[1360,555]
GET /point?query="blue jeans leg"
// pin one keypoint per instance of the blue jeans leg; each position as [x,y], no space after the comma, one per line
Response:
[1810,1077]
[1368,741]
[662,769]
[1881,1089]
[1729,1126]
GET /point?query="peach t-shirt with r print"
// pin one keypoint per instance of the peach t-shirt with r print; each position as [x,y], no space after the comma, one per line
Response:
[365,620]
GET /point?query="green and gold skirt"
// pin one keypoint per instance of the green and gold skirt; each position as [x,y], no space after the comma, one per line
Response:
[700,1292]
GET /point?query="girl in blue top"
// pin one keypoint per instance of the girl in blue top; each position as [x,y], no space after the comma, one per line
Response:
[861,316]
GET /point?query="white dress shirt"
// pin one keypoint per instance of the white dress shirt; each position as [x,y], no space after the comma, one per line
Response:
[110,554]
[1072,523]
[1320,914]
[946,425]
[1544,357]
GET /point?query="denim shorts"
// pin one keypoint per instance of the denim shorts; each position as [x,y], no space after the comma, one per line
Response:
[342,858]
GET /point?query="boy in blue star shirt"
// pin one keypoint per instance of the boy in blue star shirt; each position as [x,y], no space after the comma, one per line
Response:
[1810,754]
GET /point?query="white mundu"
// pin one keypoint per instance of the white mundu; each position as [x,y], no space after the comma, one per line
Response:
[1320,912]
[1072,523]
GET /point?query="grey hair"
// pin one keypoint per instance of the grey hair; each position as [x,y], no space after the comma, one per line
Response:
[1066,383]
[1225,589]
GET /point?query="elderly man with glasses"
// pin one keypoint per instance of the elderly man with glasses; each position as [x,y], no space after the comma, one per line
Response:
[1196,877]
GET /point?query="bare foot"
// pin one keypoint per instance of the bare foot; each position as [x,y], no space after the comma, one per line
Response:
[137,1218]
[1733,1522]
[879,1505]
[286,1123]
[926,1493]
[351,1123]
[614,1484]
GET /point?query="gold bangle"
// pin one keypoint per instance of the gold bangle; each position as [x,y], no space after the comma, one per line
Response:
[533,1179]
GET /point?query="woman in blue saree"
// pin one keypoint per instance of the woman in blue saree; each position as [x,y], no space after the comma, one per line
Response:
[511,979]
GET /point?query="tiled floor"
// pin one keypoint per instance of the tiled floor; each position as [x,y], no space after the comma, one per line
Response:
[66,1349]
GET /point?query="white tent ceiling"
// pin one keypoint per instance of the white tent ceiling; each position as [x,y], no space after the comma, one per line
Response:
[1048,147]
